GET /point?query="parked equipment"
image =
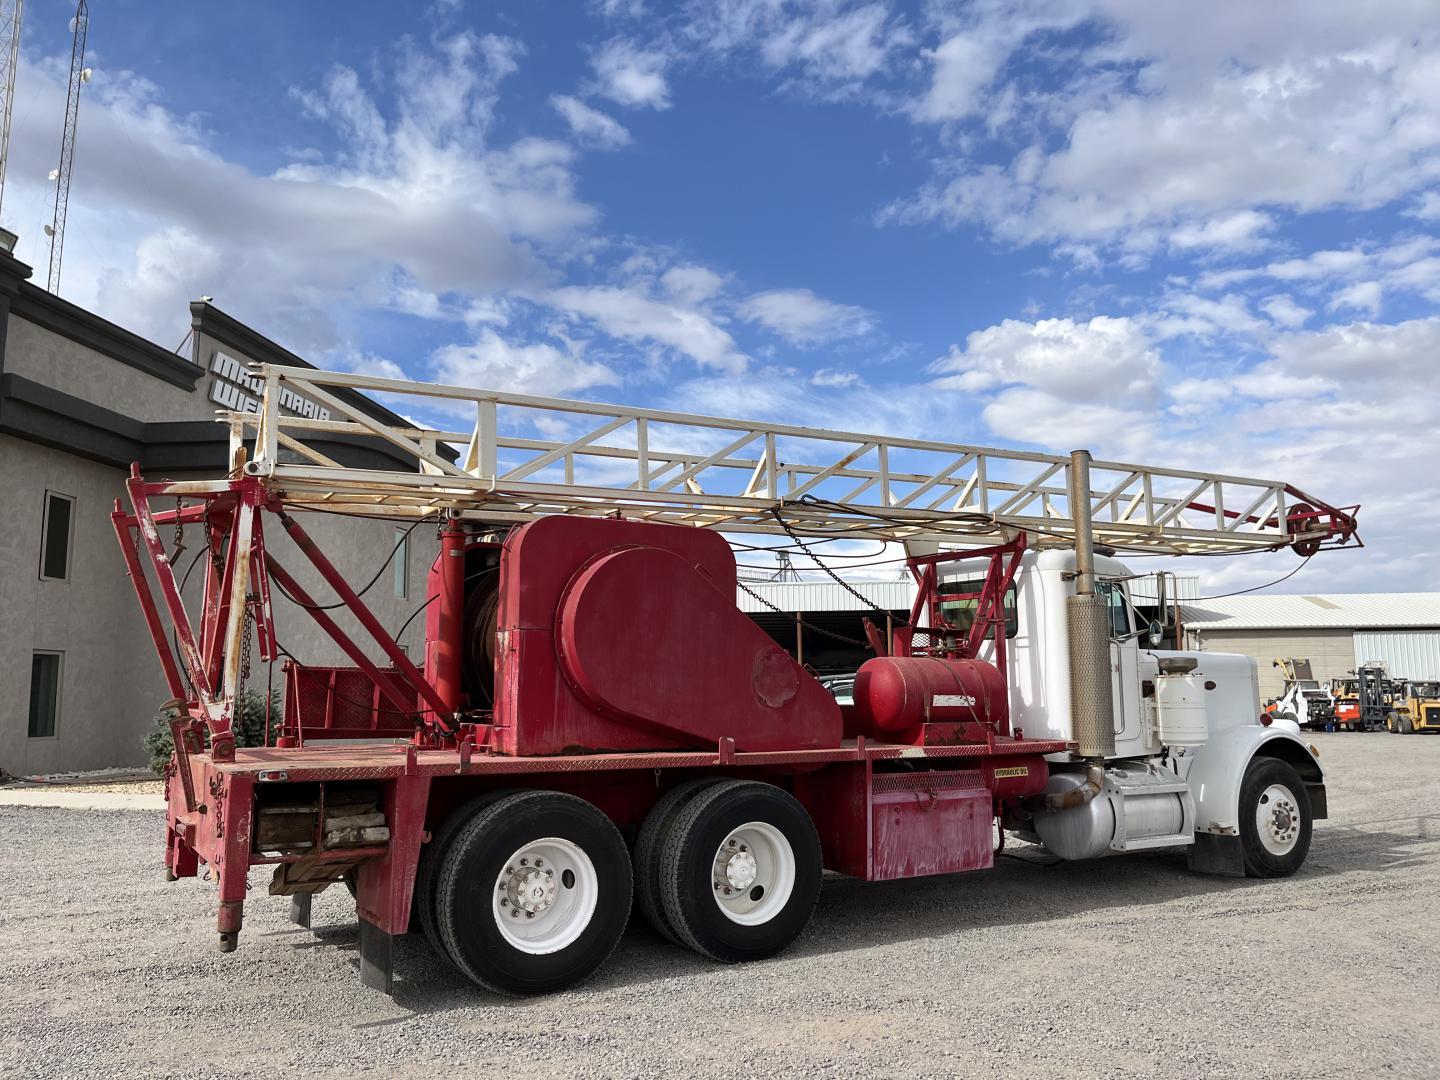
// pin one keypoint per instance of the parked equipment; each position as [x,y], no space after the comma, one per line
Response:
[593,719]
[1366,700]
[1304,700]
[1419,710]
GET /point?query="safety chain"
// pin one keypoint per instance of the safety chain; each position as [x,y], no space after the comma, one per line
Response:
[245,644]
[816,560]
[179,532]
[808,626]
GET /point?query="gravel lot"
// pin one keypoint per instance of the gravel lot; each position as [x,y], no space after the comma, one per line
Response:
[1129,966]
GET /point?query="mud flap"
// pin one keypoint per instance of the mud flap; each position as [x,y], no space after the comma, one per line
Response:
[300,909]
[375,957]
[1215,854]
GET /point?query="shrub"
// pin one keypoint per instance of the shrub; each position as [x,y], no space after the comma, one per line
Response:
[248,724]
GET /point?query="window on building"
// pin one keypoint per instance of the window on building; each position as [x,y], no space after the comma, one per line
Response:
[55,537]
[400,564]
[961,613]
[44,694]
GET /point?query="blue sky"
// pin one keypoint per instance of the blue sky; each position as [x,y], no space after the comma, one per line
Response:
[1201,236]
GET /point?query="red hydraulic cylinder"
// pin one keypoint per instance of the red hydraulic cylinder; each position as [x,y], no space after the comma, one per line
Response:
[446,654]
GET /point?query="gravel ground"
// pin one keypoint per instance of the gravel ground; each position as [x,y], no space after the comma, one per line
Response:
[1128,966]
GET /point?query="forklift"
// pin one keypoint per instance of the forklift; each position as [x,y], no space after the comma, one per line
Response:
[1367,701]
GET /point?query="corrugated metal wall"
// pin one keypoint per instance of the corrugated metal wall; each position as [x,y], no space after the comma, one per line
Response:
[1331,652]
[1410,654]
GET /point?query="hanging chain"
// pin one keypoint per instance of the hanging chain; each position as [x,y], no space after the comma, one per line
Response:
[245,643]
[179,532]
[807,625]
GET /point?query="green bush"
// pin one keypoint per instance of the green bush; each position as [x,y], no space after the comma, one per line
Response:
[248,724]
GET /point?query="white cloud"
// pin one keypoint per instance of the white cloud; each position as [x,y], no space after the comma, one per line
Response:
[691,285]
[827,377]
[629,314]
[1427,208]
[631,75]
[1105,359]
[1363,295]
[963,66]
[417,192]
[1286,312]
[1240,231]
[492,363]
[590,126]
[1194,127]
[822,49]
[802,318]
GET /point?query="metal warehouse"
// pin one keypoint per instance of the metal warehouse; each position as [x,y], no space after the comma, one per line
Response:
[1334,631]
[80,399]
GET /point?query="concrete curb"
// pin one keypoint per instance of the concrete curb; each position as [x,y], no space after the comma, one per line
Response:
[80,800]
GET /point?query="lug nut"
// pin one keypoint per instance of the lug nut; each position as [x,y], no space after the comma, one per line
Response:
[744,848]
[504,903]
[529,914]
[727,890]
[549,873]
[524,862]
[509,869]
[539,862]
[732,843]
[515,914]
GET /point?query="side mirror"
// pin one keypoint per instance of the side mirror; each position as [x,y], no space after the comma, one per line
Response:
[1157,632]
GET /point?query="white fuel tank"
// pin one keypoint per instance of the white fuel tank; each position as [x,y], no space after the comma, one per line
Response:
[1180,717]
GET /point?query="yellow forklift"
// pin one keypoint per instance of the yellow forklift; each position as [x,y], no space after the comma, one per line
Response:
[1419,710]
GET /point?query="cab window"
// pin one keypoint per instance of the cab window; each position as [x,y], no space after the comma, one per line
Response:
[961,613]
[1114,597]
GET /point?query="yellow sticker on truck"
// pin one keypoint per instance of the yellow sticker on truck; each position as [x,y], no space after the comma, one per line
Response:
[1013,770]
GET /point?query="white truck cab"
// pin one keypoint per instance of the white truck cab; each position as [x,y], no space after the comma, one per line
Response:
[1196,762]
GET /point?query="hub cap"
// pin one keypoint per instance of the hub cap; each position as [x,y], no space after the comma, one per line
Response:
[1277,819]
[545,895]
[753,874]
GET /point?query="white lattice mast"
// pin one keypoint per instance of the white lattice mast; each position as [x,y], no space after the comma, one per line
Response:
[10,12]
[79,75]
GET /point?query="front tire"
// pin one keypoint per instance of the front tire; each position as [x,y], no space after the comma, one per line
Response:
[534,893]
[1275,819]
[740,871]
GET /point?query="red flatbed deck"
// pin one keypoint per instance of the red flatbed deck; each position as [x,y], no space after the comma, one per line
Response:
[362,762]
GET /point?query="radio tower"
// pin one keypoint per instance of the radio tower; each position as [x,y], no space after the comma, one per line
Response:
[10,11]
[79,74]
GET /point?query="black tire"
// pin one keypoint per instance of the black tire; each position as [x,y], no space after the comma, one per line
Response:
[432,857]
[688,869]
[467,904]
[1292,819]
[650,843]
[1405,726]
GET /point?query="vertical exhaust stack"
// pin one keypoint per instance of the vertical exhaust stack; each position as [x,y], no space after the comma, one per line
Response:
[1092,708]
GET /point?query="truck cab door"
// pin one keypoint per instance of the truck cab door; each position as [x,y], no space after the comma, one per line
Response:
[1124,666]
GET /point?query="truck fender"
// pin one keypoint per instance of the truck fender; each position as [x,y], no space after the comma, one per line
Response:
[1218,769]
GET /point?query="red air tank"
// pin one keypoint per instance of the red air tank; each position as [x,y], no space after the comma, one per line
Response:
[895,693]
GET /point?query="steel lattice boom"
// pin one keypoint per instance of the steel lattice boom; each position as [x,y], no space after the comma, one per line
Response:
[10,17]
[78,76]
[528,456]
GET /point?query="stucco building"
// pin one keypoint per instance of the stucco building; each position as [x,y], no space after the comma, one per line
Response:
[80,399]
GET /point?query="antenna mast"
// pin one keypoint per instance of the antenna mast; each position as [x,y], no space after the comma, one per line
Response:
[10,12]
[79,74]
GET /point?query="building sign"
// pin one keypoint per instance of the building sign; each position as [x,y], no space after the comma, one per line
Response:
[233,387]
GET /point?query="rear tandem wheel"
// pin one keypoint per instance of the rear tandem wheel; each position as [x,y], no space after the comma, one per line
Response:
[533,893]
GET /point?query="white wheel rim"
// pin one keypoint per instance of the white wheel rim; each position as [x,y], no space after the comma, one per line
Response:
[753,874]
[545,895]
[1277,819]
